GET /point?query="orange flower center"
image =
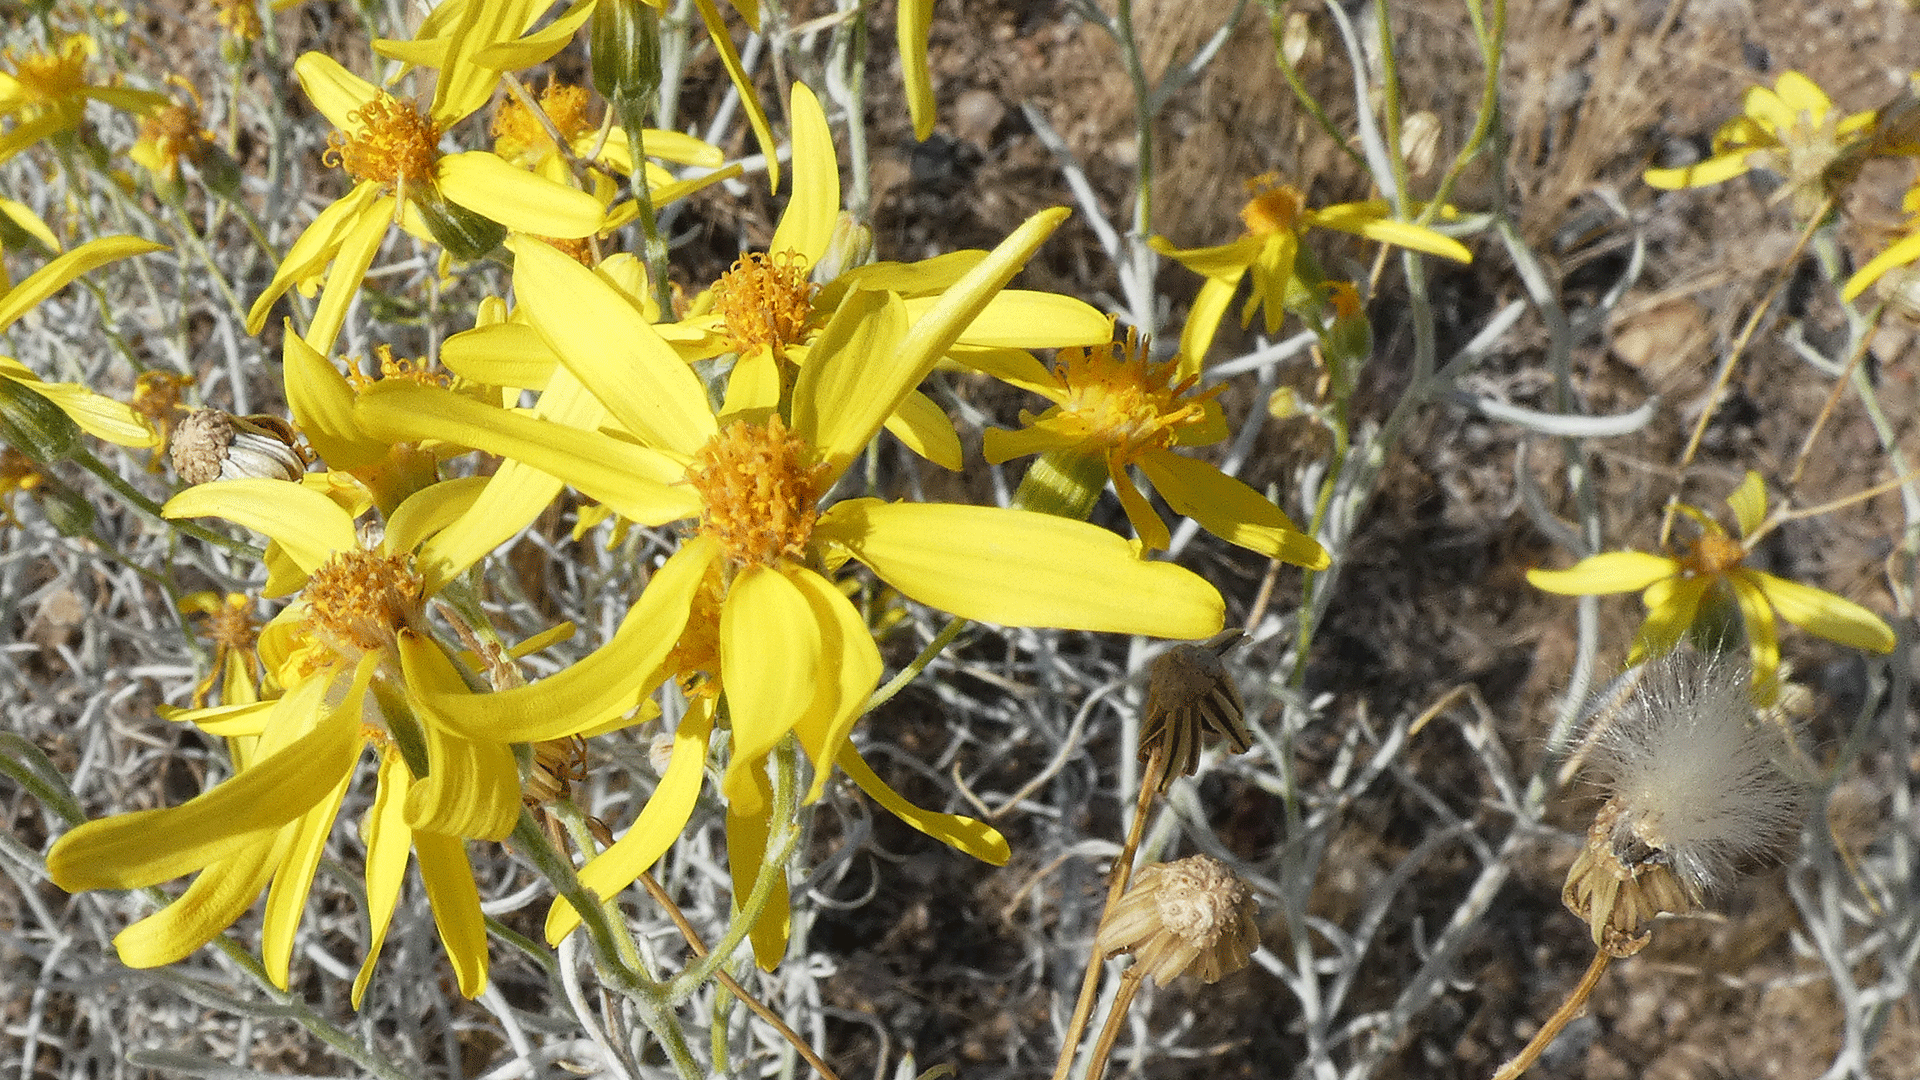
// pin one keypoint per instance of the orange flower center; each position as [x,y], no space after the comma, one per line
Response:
[760,491]
[49,76]
[231,626]
[764,300]
[1713,556]
[695,659]
[391,367]
[1274,207]
[1122,400]
[359,600]
[396,144]
[175,132]
[518,134]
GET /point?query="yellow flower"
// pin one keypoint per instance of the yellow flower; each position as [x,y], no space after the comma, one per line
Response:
[171,132]
[1792,129]
[47,93]
[793,655]
[1113,402]
[1276,216]
[391,149]
[1682,592]
[230,625]
[356,666]
[1899,254]
[97,415]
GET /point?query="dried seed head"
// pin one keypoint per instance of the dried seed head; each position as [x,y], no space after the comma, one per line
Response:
[213,445]
[1695,786]
[1190,695]
[1177,914]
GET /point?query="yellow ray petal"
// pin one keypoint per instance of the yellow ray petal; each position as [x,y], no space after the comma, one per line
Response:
[1140,513]
[322,405]
[147,847]
[465,84]
[472,787]
[976,838]
[335,91]
[654,830]
[388,842]
[539,46]
[1225,263]
[1898,254]
[855,377]
[851,672]
[749,100]
[318,243]
[58,273]
[1367,219]
[97,415]
[220,895]
[430,510]
[914,22]
[771,659]
[599,686]
[1025,319]
[30,223]
[287,899]
[1015,367]
[1823,614]
[456,907]
[308,525]
[358,247]
[605,342]
[522,201]
[1608,572]
[806,226]
[927,431]
[746,852]
[1672,604]
[1714,170]
[1203,322]
[1020,568]
[1749,503]
[1763,638]
[1229,509]
[504,354]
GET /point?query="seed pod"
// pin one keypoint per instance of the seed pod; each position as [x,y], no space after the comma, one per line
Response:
[213,445]
[1178,914]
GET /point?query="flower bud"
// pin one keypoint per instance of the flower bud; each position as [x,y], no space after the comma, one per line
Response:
[213,445]
[1177,914]
[35,426]
[464,234]
[624,40]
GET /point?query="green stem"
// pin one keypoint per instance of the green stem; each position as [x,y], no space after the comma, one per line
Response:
[653,246]
[133,498]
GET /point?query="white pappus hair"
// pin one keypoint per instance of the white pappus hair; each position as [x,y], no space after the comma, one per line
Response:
[1697,779]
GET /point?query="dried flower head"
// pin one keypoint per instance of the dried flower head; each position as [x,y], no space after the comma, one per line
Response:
[1180,913]
[1695,789]
[1191,694]
[213,445]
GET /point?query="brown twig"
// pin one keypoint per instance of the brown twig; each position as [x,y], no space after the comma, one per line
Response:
[1568,1009]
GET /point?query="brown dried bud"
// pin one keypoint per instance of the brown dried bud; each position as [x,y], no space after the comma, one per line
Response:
[1619,883]
[1190,694]
[213,445]
[1181,913]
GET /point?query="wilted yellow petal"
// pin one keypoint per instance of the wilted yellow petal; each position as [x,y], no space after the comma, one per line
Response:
[1749,503]
[1020,568]
[1608,572]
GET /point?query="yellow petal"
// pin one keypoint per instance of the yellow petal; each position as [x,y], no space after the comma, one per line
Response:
[388,842]
[321,402]
[539,46]
[1608,572]
[1225,263]
[605,683]
[922,278]
[472,787]
[1001,445]
[637,482]
[615,352]
[448,877]
[358,246]
[60,272]
[770,657]
[1203,322]
[231,721]
[1714,170]
[1015,367]
[851,672]
[1229,509]
[746,856]
[1369,219]
[335,91]
[1766,107]
[220,895]
[1272,274]
[309,526]
[856,375]
[147,847]
[654,830]
[806,226]
[976,838]
[1140,513]
[430,510]
[1763,639]
[914,22]
[318,243]
[522,201]
[927,431]
[1749,503]
[287,899]
[753,387]
[1024,319]
[1899,253]
[1672,605]
[504,354]
[1020,568]
[465,84]
[1802,95]
[29,222]
[749,99]
[1823,614]
[97,415]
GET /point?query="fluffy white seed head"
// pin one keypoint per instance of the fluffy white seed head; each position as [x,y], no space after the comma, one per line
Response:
[1697,780]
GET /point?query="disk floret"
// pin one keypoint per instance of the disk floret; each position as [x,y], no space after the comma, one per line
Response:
[395,143]
[764,300]
[359,601]
[760,487]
